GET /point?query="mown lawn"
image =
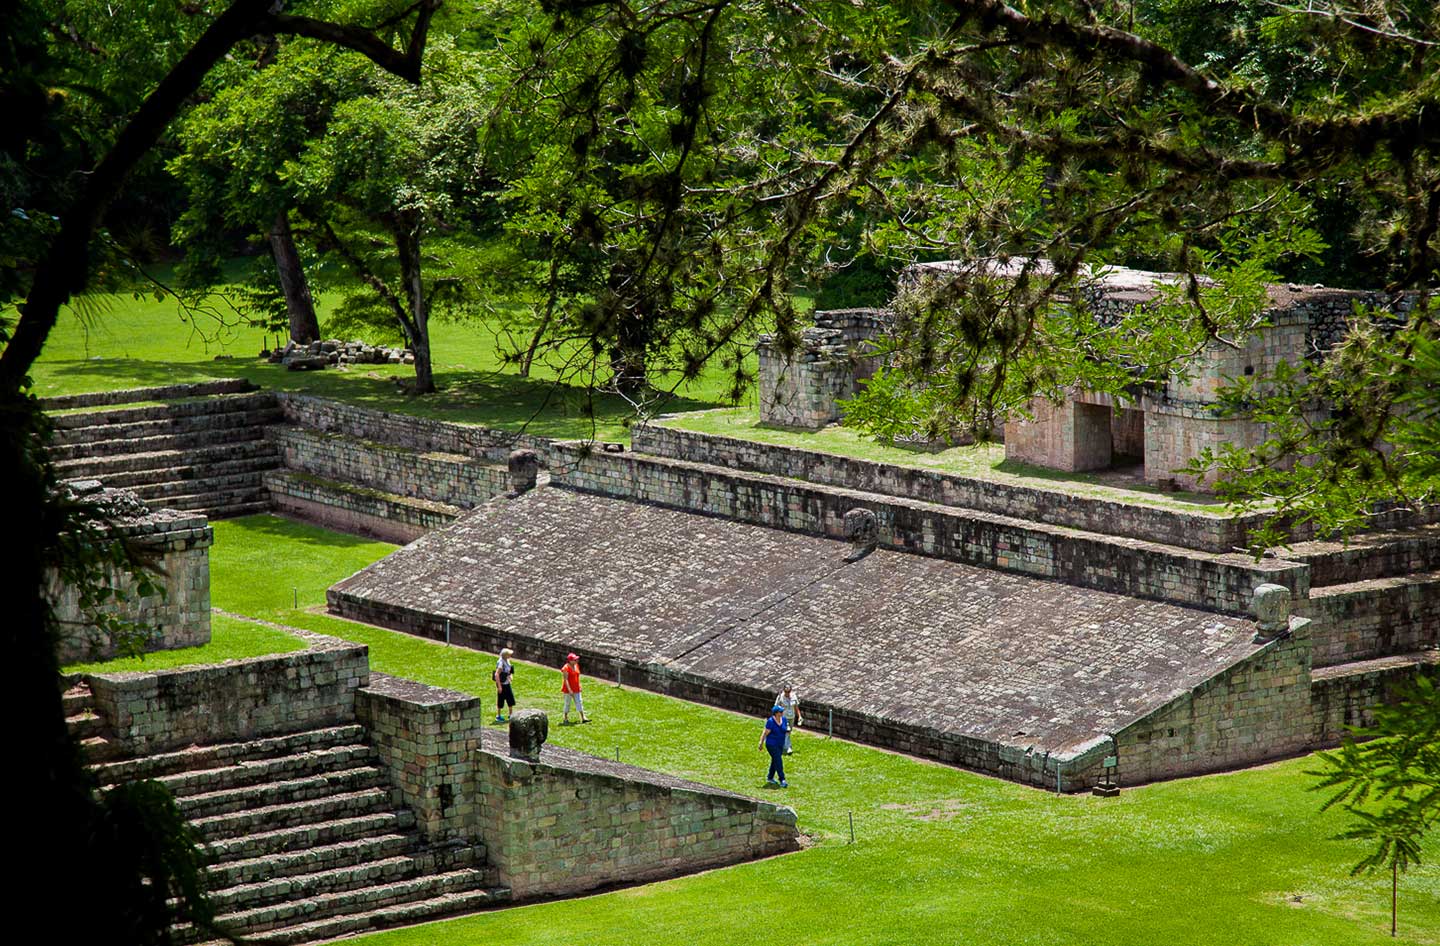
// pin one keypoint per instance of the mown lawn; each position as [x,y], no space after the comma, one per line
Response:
[941,855]
[113,341]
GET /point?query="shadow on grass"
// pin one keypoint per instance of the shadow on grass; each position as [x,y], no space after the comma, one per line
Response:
[487,398]
[264,527]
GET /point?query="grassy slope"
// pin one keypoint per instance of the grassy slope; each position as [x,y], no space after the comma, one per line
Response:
[942,855]
[125,342]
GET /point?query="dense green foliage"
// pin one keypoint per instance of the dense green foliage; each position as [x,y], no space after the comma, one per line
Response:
[1389,783]
[673,170]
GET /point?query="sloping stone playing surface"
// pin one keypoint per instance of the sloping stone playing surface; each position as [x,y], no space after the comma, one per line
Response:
[919,641]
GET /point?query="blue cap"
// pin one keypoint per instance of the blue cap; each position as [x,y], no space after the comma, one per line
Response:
[777,709]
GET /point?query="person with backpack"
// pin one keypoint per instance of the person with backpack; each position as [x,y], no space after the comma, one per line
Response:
[504,673]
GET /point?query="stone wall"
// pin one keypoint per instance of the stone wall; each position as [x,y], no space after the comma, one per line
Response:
[240,699]
[1125,566]
[1341,697]
[177,617]
[428,738]
[167,392]
[572,823]
[402,430]
[802,389]
[455,479]
[1070,436]
[358,510]
[1257,710]
[1375,618]
[1153,524]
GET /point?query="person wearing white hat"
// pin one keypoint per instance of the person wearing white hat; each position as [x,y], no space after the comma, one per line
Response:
[504,672]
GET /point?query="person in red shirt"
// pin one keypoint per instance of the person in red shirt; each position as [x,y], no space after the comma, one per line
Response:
[570,686]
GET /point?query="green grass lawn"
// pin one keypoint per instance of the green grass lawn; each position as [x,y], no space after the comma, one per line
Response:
[230,639]
[113,341]
[977,461]
[941,855]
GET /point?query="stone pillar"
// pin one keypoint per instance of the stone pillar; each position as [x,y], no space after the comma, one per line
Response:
[524,469]
[1272,612]
[528,731]
[863,531]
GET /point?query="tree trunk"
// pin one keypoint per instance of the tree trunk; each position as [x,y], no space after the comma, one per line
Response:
[299,306]
[407,245]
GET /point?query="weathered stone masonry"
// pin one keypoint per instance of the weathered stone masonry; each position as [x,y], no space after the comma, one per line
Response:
[571,823]
[1126,566]
[242,699]
[1208,533]
[178,617]
[429,738]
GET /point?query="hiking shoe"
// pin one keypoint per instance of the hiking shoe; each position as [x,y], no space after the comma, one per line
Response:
[499,719]
[784,784]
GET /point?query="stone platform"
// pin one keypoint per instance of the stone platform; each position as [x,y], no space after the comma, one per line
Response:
[995,671]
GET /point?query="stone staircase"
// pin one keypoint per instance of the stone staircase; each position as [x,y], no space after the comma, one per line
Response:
[306,836]
[202,449]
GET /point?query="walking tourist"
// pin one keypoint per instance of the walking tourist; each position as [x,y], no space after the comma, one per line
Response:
[788,700]
[504,672]
[570,686]
[776,729]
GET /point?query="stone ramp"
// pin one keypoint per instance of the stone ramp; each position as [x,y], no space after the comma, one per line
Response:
[917,653]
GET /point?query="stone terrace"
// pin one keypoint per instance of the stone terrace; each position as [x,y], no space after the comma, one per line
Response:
[937,648]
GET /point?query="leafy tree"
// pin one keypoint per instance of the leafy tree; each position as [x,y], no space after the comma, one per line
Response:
[638,145]
[377,173]
[1390,783]
[50,261]
[1076,136]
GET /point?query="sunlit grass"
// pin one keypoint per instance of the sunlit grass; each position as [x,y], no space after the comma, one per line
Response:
[941,855]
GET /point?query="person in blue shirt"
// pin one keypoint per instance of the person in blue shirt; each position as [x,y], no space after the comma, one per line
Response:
[776,729]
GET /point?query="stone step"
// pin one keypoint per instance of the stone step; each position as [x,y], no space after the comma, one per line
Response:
[92,436]
[1387,664]
[1369,556]
[276,793]
[130,395]
[236,510]
[402,914]
[152,443]
[197,758]
[278,768]
[265,845]
[322,857]
[1374,618]
[258,465]
[156,494]
[103,468]
[76,700]
[333,880]
[99,749]
[272,817]
[188,407]
[84,725]
[416,890]
[220,501]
